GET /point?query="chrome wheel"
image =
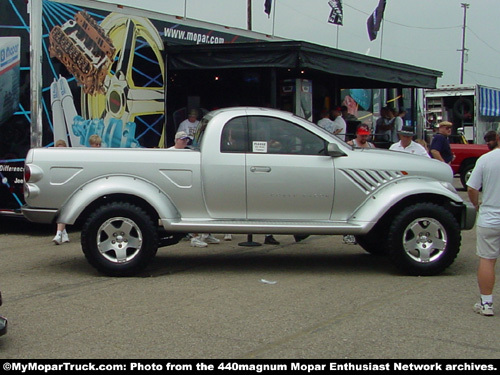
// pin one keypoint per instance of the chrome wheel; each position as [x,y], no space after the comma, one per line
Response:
[424,240]
[119,240]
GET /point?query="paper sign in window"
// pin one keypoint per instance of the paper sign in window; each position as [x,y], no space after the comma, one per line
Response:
[259,146]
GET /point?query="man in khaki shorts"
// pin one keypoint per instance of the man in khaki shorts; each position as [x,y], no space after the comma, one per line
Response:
[486,177]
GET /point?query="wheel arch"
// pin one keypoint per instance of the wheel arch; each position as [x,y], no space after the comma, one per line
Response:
[447,203]
[117,188]
[385,204]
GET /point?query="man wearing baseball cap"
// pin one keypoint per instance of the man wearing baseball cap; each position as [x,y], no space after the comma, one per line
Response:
[440,145]
[181,141]
[362,134]
[406,143]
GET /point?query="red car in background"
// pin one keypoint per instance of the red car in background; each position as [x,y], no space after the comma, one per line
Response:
[466,156]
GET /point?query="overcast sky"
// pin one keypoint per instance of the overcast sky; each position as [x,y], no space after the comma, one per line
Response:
[426,33]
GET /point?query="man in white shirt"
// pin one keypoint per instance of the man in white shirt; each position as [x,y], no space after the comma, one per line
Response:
[190,124]
[406,143]
[325,121]
[485,176]
[339,124]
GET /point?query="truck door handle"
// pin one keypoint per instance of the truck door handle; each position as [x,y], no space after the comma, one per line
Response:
[260,169]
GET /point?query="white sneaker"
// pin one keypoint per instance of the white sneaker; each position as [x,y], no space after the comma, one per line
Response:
[484,309]
[58,239]
[208,238]
[197,242]
[65,237]
[228,237]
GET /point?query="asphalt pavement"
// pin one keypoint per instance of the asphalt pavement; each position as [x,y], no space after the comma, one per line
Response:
[319,298]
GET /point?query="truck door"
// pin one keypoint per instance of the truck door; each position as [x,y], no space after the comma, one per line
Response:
[224,185]
[288,175]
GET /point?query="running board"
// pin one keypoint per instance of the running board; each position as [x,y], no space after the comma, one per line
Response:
[264,227]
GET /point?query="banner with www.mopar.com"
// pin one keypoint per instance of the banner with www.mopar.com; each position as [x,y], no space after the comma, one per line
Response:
[103,73]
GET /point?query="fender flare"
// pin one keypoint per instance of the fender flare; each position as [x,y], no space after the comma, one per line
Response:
[379,203]
[124,185]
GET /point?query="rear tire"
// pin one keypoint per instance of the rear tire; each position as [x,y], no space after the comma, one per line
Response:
[119,239]
[424,239]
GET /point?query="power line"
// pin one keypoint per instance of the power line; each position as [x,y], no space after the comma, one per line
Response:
[481,40]
[481,74]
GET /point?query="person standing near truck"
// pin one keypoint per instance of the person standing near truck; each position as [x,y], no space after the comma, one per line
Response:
[190,124]
[95,141]
[440,144]
[485,176]
[61,234]
[180,142]
[406,143]
[339,124]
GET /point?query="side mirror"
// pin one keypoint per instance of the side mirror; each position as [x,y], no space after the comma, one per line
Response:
[334,150]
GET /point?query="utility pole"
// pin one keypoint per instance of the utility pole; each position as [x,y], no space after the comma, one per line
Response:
[249,15]
[463,50]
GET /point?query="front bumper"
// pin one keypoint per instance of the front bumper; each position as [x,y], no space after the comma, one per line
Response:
[469,216]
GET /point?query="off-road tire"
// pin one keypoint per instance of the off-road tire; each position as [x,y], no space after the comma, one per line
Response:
[424,239]
[119,239]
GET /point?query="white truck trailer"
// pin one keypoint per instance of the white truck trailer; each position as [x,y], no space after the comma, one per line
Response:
[473,109]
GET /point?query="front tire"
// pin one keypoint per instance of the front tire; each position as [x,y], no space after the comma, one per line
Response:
[424,239]
[119,239]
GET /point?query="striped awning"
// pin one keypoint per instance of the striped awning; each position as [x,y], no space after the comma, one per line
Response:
[489,101]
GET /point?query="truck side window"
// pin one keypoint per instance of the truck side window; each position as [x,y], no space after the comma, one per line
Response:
[234,136]
[276,136]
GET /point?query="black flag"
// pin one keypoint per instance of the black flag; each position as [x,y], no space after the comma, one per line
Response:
[267,7]
[336,15]
[374,21]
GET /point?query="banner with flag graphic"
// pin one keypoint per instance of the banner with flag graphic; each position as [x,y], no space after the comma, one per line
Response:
[375,19]
[267,7]
[336,15]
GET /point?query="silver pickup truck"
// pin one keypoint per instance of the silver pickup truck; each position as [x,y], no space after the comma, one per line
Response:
[250,170]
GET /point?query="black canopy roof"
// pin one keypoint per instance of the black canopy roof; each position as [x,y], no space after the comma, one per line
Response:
[350,69]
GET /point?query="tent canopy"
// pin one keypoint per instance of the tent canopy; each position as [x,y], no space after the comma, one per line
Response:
[350,69]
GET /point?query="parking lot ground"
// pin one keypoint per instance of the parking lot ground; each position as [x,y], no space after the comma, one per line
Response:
[319,298]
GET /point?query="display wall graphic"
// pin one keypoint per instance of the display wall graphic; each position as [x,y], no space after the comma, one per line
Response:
[360,104]
[14,103]
[115,72]
[115,62]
